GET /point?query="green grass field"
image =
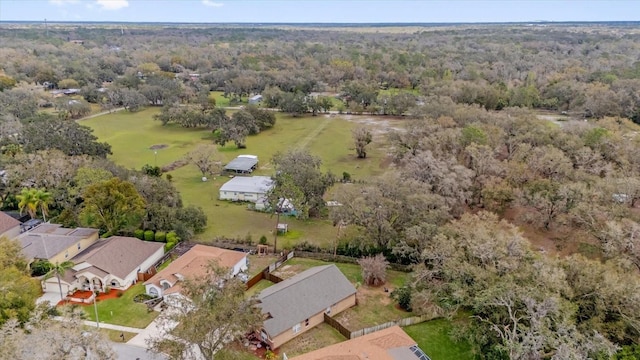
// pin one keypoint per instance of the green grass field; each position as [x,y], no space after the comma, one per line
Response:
[434,339]
[122,310]
[132,135]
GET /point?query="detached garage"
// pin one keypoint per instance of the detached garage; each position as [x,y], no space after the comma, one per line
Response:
[246,188]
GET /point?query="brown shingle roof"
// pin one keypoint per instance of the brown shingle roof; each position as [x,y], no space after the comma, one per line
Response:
[118,255]
[194,263]
[388,344]
[7,222]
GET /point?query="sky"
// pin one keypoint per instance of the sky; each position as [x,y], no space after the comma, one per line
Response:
[319,11]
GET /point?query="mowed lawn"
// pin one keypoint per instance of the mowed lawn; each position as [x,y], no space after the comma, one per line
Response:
[132,135]
[123,310]
[434,338]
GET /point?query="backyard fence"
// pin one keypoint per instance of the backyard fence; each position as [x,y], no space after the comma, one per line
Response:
[354,334]
[336,325]
[266,272]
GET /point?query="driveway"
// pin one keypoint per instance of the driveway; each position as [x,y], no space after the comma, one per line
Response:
[53,297]
[156,328]
[131,352]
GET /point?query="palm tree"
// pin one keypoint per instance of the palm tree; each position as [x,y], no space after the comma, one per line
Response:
[43,198]
[27,201]
[33,200]
[58,270]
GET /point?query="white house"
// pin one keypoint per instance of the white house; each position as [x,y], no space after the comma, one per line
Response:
[113,262]
[246,188]
[193,264]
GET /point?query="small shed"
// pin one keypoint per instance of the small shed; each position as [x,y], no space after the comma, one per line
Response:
[256,99]
[243,164]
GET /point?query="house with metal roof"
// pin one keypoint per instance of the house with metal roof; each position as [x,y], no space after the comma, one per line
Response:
[241,188]
[243,164]
[114,262]
[299,303]
[388,344]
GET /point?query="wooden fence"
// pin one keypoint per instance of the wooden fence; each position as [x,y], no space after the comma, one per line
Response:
[266,272]
[336,325]
[402,322]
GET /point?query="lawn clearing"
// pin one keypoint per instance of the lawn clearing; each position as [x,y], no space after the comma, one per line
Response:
[434,338]
[255,289]
[132,135]
[123,311]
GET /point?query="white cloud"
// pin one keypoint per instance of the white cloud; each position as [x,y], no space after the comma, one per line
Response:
[63,2]
[112,4]
[211,3]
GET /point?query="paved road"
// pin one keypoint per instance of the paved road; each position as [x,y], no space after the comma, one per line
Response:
[131,352]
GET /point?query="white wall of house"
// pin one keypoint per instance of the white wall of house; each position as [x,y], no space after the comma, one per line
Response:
[51,285]
[132,277]
[240,196]
[240,266]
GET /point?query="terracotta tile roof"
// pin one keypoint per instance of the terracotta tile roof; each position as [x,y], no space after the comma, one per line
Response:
[7,222]
[388,344]
[194,263]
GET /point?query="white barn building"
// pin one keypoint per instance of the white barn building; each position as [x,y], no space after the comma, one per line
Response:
[246,188]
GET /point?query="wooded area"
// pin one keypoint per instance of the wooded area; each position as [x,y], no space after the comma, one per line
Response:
[513,189]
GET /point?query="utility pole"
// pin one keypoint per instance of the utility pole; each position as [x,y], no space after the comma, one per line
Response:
[95,304]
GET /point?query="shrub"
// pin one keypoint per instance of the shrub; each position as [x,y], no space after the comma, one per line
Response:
[149,235]
[161,236]
[169,245]
[139,233]
[403,297]
[40,267]
[263,240]
[172,237]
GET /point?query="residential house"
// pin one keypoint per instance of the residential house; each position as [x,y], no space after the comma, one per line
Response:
[251,189]
[113,262]
[299,303]
[388,344]
[256,99]
[9,226]
[243,164]
[55,243]
[193,264]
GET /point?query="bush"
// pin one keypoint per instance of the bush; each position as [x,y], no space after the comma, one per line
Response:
[169,245]
[374,269]
[149,235]
[403,297]
[172,237]
[139,233]
[161,236]
[263,240]
[40,267]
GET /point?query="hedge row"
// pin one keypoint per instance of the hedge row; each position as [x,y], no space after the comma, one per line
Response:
[159,236]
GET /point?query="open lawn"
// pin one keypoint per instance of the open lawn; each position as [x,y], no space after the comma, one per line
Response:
[122,310]
[114,335]
[434,339]
[132,135]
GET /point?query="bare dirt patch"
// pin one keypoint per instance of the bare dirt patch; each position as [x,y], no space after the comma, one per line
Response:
[175,165]
[158,147]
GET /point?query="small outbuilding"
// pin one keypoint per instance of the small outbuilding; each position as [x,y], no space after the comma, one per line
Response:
[250,189]
[243,164]
[256,99]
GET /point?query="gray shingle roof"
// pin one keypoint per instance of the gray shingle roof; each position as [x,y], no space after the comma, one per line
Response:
[118,255]
[7,222]
[253,184]
[298,298]
[47,240]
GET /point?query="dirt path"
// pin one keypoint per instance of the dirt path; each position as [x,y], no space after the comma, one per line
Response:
[312,135]
[100,114]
